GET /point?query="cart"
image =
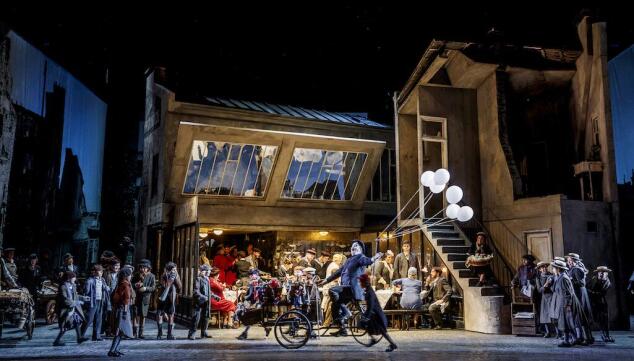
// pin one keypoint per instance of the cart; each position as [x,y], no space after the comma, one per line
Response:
[17,307]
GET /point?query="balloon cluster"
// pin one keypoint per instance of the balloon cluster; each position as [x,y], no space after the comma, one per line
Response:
[436,182]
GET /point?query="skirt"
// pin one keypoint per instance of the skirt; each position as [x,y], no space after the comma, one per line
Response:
[124,320]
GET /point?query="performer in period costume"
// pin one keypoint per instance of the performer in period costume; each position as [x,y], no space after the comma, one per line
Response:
[405,260]
[96,291]
[309,258]
[219,303]
[202,295]
[251,300]
[112,265]
[121,301]
[480,248]
[577,273]
[144,285]
[326,304]
[349,288]
[68,265]
[525,276]
[69,312]
[544,287]
[171,285]
[31,276]
[598,288]
[320,264]
[437,297]
[410,289]
[384,271]
[566,306]
[374,318]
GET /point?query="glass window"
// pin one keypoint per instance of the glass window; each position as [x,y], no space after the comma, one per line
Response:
[229,169]
[432,129]
[323,174]
[383,186]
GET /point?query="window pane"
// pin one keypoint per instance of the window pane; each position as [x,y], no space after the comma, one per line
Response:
[432,129]
[219,168]
[354,175]
[319,174]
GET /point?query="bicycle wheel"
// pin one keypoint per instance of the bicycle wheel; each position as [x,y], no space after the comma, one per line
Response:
[292,329]
[360,334]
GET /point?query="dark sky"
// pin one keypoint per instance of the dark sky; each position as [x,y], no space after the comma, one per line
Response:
[343,57]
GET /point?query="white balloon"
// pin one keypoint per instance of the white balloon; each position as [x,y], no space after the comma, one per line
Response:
[465,213]
[441,176]
[427,178]
[452,211]
[437,188]
[453,194]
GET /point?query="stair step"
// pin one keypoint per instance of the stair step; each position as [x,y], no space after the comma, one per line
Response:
[444,234]
[455,249]
[467,273]
[450,242]
[459,265]
[444,227]
[461,257]
[491,291]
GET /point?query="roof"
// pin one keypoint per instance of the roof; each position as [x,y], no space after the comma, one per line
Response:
[355,119]
[522,56]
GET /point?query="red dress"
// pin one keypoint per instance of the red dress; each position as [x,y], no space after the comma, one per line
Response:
[230,274]
[222,305]
[222,263]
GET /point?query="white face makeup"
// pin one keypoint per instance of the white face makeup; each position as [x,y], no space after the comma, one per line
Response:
[355,249]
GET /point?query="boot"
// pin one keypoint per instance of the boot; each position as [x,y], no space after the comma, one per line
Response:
[190,335]
[140,336]
[80,337]
[58,339]
[546,331]
[159,335]
[170,328]
[134,331]
[244,334]
[114,348]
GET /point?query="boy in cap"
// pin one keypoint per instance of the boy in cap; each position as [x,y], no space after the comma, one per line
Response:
[144,285]
[543,285]
[566,306]
[96,291]
[577,273]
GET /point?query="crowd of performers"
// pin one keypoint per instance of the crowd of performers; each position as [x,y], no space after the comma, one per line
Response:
[570,298]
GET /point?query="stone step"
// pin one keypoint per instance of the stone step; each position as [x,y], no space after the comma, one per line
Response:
[460,257]
[455,249]
[459,265]
[445,234]
[466,273]
[450,242]
[492,291]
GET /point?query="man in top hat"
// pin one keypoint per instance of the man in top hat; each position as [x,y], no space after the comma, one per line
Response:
[405,260]
[544,287]
[349,288]
[598,288]
[565,306]
[68,266]
[577,273]
[144,285]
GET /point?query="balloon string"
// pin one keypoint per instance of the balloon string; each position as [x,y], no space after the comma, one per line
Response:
[398,214]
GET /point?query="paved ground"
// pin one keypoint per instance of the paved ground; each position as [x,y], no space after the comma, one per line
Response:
[413,345]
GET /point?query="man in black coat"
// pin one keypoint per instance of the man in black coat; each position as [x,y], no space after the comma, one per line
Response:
[598,288]
[31,276]
[202,306]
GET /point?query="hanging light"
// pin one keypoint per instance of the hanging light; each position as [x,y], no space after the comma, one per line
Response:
[202,234]
[217,231]
[323,233]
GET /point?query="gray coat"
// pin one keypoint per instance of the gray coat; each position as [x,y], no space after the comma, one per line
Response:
[544,286]
[90,291]
[565,306]
[578,278]
[202,295]
[149,282]
[403,263]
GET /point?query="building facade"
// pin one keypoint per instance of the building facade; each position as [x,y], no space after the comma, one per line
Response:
[527,133]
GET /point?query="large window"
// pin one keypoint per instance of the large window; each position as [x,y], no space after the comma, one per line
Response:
[229,169]
[383,186]
[323,174]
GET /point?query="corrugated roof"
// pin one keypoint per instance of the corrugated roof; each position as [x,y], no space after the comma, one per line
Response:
[358,119]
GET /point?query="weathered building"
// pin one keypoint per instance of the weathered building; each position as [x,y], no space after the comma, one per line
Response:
[527,132]
[278,177]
